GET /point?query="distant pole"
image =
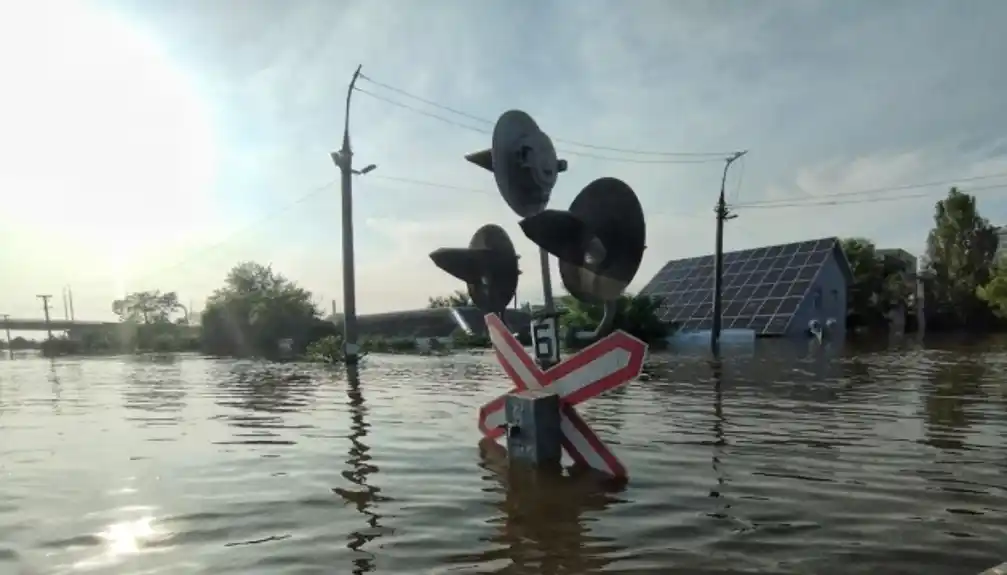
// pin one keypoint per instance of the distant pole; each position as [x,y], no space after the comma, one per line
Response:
[6,325]
[344,161]
[66,306]
[69,291]
[718,255]
[45,308]
[66,310]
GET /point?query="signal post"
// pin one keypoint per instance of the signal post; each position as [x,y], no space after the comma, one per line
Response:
[599,242]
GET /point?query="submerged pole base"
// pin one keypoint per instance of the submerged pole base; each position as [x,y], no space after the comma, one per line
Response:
[533,428]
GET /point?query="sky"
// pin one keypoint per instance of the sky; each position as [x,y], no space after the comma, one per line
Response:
[153,144]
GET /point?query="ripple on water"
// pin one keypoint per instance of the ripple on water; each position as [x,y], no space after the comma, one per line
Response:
[885,462]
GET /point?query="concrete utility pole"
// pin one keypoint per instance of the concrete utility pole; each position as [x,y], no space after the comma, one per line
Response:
[718,255]
[344,161]
[6,325]
[45,308]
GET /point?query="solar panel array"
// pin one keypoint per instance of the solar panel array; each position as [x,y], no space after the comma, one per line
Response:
[762,287]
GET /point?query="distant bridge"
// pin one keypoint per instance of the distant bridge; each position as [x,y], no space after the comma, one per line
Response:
[21,324]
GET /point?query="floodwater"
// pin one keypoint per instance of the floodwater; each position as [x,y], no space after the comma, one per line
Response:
[785,460]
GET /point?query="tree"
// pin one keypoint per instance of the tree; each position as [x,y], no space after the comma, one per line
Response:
[961,250]
[458,298]
[994,293]
[257,308]
[147,325]
[879,284]
[22,343]
[636,314]
[147,307]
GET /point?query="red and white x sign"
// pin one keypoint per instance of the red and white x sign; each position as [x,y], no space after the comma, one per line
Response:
[604,365]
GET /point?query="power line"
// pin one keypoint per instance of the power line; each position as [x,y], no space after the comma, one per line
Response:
[834,200]
[424,112]
[699,158]
[867,192]
[741,176]
[846,198]
[429,184]
[411,96]
[256,224]
[825,201]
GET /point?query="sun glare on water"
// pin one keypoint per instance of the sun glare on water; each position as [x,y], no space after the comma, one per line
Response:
[121,540]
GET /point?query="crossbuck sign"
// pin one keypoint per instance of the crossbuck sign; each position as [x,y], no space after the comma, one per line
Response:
[608,363]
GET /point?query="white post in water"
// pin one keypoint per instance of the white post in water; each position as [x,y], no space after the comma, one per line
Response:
[545,328]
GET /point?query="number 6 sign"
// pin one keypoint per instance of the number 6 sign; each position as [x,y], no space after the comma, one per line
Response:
[545,340]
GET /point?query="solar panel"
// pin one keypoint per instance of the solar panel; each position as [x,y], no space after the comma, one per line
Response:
[762,287]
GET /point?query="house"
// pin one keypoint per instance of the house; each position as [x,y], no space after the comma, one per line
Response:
[773,290]
[907,259]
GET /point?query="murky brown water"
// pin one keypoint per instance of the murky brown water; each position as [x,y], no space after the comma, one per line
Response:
[889,461]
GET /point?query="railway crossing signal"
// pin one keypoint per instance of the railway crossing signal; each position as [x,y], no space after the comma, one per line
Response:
[608,363]
[599,242]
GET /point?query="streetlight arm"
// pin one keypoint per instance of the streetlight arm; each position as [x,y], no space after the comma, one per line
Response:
[346,119]
[723,179]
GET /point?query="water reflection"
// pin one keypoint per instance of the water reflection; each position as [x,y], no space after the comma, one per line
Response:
[459,374]
[719,442]
[262,396]
[56,386]
[359,468]
[544,525]
[954,388]
[266,388]
[154,386]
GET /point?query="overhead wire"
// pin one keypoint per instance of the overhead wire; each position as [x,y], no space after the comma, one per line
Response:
[842,198]
[836,200]
[422,112]
[430,184]
[285,208]
[665,157]
[230,237]
[574,143]
[868,192]
[741,176]
[256,224]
